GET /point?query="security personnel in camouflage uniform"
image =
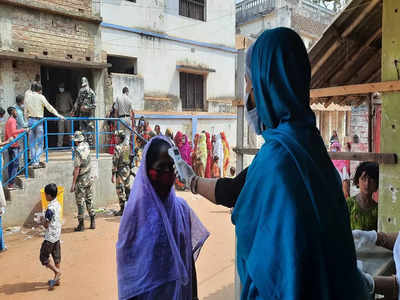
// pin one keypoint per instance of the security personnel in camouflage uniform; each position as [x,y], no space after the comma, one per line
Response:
[82,183]
[84,107]
[121,171]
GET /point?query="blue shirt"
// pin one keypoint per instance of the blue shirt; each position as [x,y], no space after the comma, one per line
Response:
[21,123]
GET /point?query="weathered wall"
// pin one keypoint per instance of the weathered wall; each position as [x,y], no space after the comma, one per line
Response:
[36,32]
[135,85]
[27,201]
[163,16]
[221,106]
[75,6]
[15,79]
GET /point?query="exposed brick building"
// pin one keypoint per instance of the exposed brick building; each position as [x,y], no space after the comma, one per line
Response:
[58,40]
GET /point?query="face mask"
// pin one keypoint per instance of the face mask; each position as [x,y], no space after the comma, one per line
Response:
[22,106]
[2,119]
[334,150]
[163,180]
[61,90]
[253,118]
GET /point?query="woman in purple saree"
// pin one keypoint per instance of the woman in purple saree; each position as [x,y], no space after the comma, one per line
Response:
[160,236]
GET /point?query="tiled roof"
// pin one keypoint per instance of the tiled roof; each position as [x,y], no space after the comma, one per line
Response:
[306,25]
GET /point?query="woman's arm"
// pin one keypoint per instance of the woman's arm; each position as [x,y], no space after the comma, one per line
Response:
[206,188]
[223,191]
[386,240]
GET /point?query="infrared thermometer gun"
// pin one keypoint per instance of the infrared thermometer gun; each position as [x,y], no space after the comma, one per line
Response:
[178,161]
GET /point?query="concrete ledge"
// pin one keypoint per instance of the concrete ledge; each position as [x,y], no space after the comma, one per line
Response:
[24,203]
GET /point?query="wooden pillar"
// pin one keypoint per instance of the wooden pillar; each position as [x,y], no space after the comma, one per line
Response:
[389,183]
[240,91]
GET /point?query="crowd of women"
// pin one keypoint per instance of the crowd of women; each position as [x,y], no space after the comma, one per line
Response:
[209,155]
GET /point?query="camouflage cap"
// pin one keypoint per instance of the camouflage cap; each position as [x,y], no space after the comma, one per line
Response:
[78,137]
[120,133]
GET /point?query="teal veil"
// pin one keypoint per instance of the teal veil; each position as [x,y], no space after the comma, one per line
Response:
[293,233]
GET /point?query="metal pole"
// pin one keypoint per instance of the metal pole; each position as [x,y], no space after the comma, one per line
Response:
[26,155]
[97,139]
[1,168]
[240,71]
[194,126]
[72,142]
[46,138]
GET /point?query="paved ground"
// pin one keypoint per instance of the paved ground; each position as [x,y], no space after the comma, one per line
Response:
[88,260]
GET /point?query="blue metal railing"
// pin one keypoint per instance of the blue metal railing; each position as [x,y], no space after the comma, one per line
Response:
[23,138]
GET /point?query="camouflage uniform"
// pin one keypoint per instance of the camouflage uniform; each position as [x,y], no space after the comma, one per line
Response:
[122,171]
[84,107]
[84,184]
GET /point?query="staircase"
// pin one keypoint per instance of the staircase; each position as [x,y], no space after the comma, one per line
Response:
[23,203]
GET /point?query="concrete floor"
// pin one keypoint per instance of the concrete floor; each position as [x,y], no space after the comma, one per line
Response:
[88,260]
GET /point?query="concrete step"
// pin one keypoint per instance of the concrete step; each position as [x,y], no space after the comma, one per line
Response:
[35,173]
[20,184]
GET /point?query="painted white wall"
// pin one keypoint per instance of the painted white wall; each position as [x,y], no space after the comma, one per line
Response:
[135,85]
[163,16]
[157,60]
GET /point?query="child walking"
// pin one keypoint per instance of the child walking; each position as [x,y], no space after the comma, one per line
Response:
[51,244]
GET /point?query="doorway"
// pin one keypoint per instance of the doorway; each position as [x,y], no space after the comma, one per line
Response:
[51,77]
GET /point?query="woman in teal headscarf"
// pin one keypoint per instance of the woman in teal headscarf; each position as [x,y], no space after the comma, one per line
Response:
[293,233]
[292,224]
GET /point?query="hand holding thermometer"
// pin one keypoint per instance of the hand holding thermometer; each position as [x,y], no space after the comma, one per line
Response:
[179,162]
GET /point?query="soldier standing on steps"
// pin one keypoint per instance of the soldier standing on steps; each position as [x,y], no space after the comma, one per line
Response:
[121,171]
[82,183]
[84,107]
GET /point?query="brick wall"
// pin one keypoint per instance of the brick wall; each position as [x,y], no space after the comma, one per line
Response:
[60,37]
[82,7]
[15,79]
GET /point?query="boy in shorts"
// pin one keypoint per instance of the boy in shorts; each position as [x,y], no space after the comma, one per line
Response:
[51,244]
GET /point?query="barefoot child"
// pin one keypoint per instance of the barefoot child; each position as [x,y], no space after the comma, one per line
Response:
[51,244]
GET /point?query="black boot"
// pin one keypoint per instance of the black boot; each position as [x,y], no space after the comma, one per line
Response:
[81,226]
[121,210]
[92,222]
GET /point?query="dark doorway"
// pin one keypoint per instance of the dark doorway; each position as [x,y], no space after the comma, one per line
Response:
[51,77]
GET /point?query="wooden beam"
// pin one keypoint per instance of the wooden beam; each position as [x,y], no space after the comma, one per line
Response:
[5,54]
[346,33]
[356,89]
[380,158]
[246,151]
[360,51]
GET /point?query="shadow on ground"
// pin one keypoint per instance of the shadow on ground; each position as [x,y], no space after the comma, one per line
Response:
[23,287]
[113,219]
[227,292]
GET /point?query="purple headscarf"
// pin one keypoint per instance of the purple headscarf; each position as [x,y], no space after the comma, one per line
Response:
[157,242]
